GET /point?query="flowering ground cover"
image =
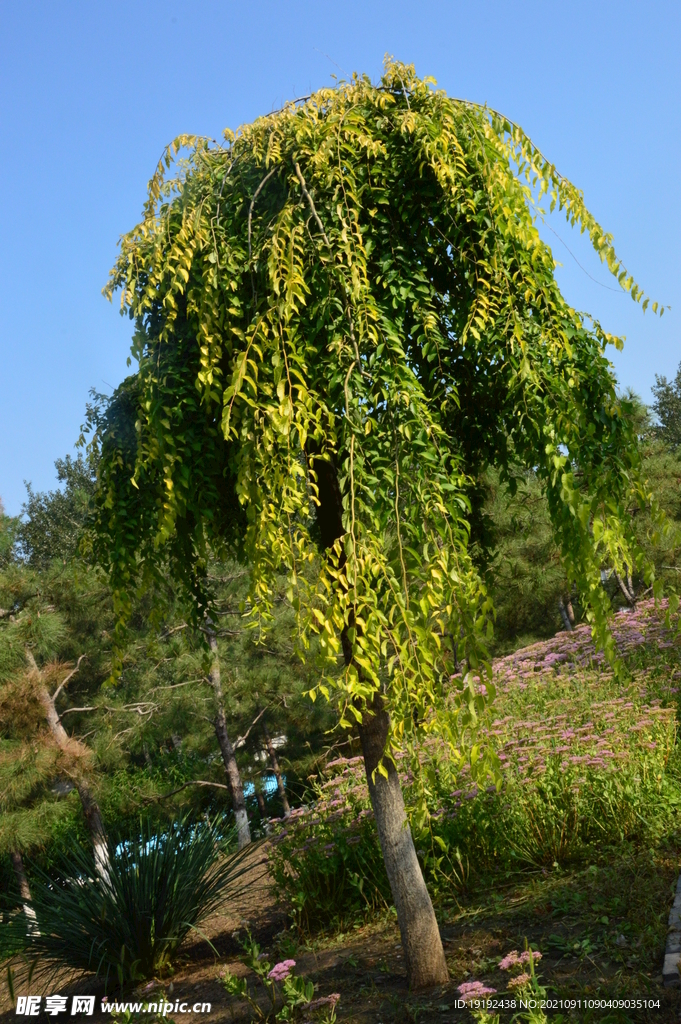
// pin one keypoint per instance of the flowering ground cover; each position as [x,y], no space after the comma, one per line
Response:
[576,852]
[588,760]
[576,856]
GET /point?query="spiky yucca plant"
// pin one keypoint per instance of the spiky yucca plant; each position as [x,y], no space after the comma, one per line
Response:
[161,886]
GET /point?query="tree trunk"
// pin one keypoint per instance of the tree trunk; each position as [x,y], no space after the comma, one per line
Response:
[569,609]
[74,748]
[93,817]
[260,798]
[231,767]
[564,615]
[277,770]
[421,942]
[25,893]
[627,589]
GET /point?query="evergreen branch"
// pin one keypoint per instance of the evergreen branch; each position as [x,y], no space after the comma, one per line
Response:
[242,739]
[196,782]
[221,632]
[175,686]
[18,605]
[140,708]
[175,629]
[68,677]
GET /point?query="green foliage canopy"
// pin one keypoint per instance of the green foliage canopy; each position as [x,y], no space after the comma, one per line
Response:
[667,407]
[354,289]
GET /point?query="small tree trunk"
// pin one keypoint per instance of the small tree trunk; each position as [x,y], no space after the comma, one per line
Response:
[93,815]
[564,615]
[421,942]
[627,589]
[277,770]
[569,609]
[259,797]
[25,893]
[227,750]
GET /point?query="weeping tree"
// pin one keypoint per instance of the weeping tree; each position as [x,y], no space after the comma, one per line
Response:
[342,316]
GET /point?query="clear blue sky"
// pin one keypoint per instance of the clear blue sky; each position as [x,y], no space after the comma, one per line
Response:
[90,92]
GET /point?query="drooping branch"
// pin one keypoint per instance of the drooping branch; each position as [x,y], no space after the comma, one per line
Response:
[250,209]
[301,179]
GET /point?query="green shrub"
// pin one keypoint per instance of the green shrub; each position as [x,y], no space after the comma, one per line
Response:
[161,886]
[328,864]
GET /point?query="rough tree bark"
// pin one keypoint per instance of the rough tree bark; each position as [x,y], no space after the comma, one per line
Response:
[421,941]
[25,893]
[276,769]
[226,748]
[74,748]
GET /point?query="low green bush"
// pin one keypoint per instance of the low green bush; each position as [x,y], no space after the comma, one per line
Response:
[161,885]
[329,866]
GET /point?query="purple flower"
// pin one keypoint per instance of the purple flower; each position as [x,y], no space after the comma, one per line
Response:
[511,959]
[474,990]
[281,971]
[518,981]
[331,1001]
